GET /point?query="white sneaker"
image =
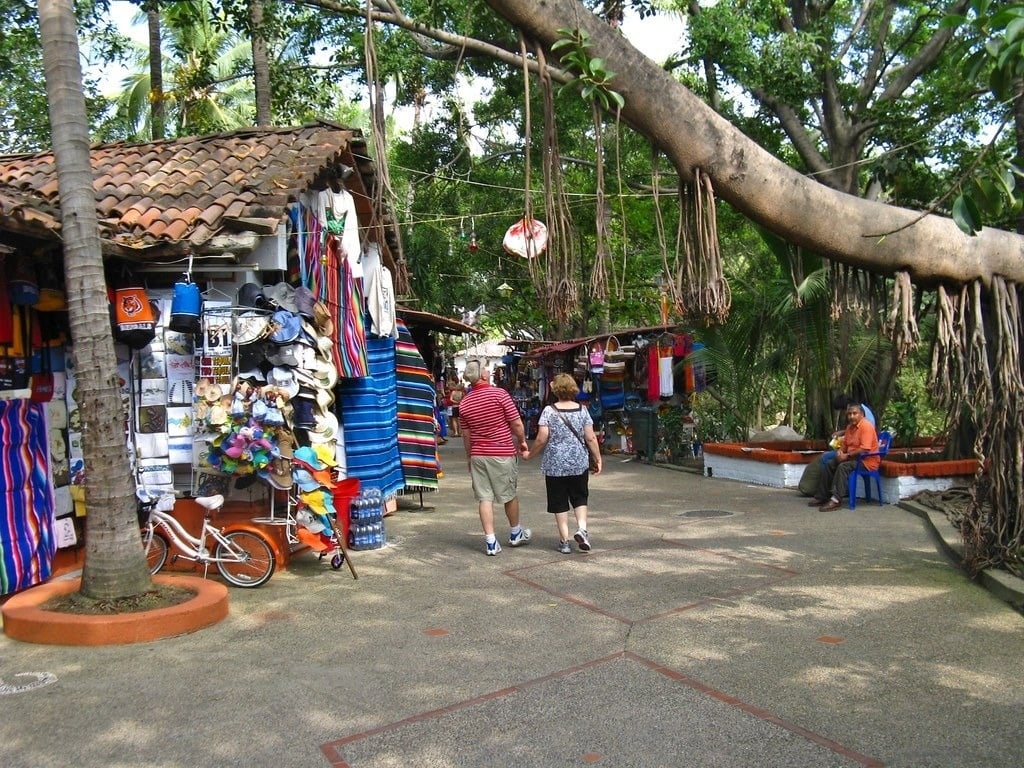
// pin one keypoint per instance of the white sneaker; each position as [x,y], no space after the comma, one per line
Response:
[582,540]
[493,548]
[523,537]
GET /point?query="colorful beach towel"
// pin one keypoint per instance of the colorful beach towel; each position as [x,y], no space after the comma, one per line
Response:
[369,409]
[27,542]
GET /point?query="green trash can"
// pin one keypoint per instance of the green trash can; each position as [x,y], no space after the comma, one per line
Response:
[645,432]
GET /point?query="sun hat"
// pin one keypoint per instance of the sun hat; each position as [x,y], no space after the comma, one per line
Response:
[316,501]
[325,374]
[305,455]
[303,412]
[311,540]
[251,295]
[284,355]
[282,295]
[304,301]
[250,327]
[324,399]
[284,444]
[279,474]
[285,327]
[322,319]
[304,479]
[325,453]
[326,429]
[284,379]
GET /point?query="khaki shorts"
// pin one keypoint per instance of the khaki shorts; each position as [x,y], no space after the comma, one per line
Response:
[494,477]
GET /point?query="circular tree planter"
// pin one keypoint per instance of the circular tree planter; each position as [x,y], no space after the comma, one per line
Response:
[24,620]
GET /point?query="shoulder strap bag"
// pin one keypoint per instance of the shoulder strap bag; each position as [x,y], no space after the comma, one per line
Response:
[591,461]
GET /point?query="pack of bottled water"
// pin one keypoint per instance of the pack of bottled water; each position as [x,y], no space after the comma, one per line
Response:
[366,526]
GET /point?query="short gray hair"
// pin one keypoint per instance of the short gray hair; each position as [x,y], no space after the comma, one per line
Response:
[473,371]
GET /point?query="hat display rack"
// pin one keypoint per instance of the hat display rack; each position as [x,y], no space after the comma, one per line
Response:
[270,416]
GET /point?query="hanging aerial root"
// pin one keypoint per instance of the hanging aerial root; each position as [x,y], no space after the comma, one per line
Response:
[704,291]
[976,373]
[902,322]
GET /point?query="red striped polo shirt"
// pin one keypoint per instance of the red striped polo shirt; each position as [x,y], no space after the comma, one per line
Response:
[486,413]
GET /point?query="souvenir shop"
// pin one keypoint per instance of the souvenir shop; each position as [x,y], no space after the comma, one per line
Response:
[632,381]
[290,383]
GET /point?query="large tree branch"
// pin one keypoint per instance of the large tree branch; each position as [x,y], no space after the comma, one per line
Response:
[452,45]
[925,57]
[839,226]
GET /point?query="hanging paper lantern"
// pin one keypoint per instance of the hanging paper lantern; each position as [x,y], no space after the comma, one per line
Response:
[526,238]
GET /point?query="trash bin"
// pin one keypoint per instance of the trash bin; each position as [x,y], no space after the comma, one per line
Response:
[645,432]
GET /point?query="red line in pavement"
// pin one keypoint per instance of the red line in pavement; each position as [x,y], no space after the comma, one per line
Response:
[757,712]
[333,755]
[332,752]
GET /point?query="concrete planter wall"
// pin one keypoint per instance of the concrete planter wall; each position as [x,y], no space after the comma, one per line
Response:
[780,465]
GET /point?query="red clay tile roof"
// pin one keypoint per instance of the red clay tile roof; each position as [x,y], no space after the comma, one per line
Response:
[173,196]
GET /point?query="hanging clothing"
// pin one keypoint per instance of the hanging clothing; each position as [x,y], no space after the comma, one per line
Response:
[337,212]
[369,406]
[27,542]
[653,374]
[416,403]
[379,288]
[351,346]
[665,384]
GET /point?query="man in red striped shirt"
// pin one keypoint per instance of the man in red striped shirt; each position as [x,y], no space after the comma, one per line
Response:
[494,438]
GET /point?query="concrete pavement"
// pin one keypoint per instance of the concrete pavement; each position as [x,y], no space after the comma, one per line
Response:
[714,624]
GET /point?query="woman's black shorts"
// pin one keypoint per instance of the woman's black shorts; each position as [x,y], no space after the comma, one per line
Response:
[565,493]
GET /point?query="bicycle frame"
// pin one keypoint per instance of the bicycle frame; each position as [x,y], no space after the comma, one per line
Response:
[194,547]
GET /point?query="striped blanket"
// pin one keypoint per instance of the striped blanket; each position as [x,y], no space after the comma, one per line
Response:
[416,441]
[27,543]
[369,410]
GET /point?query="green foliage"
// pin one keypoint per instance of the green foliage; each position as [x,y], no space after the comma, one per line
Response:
[593,79]
[991,53]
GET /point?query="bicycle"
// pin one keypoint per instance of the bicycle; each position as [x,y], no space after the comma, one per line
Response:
[243,558]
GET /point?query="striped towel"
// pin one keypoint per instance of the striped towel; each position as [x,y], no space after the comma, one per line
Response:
[416,441]
[27,543]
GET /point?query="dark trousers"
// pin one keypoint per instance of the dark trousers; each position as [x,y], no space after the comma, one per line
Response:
[835,479]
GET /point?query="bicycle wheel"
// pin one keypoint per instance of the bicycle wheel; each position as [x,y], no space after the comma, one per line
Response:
[156,549]
[247,560]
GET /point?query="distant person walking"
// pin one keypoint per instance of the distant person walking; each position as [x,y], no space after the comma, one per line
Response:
[493,435]
[565,432]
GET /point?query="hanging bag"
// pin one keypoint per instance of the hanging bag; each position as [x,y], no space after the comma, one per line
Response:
[134,317]
[591,461]
[22,282]
[186,308]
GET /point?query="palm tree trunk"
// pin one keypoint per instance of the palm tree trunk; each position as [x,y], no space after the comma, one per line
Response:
[260,63]
[158,110]
[114,562]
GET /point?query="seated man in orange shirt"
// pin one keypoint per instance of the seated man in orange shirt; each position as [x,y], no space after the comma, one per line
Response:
[859,437]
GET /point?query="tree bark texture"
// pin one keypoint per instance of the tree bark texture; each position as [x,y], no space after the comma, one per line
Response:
[115,565]
[862,233]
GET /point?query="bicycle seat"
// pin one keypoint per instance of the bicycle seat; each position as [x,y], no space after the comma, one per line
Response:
[210,503]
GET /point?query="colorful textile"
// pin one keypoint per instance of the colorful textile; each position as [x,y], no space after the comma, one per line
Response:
[27,542]
[369,408]
[416,399]
[332,296]
[352,342]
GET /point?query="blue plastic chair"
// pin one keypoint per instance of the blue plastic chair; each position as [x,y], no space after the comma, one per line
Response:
[884,441]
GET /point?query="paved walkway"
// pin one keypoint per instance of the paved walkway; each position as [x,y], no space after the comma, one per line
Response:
[772,635]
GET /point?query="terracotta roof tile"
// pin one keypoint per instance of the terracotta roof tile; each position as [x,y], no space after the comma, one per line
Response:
[188,185]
